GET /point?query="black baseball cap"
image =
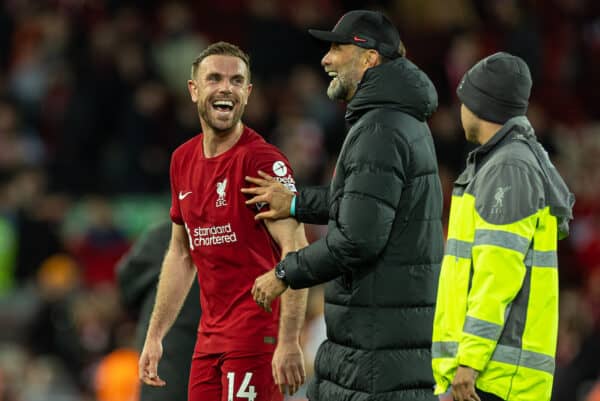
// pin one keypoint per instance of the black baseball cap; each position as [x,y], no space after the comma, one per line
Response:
[367,29]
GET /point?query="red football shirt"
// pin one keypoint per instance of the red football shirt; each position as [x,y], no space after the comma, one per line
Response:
[229,248]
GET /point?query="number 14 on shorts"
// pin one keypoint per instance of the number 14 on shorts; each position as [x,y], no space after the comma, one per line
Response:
[244,391]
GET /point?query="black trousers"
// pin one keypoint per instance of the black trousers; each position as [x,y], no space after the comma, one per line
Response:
[487,396]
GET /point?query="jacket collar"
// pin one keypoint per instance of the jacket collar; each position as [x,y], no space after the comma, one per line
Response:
[477,155]
[499,137]
[557,194]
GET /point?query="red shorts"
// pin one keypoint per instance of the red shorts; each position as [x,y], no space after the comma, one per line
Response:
[233,376]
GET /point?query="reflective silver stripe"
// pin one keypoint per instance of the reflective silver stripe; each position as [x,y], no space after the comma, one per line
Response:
[458,248]
[444,349]
[506,354]
[528,359]
[481,328]
[541,259]
[502,239]
[537,361]
[502,353]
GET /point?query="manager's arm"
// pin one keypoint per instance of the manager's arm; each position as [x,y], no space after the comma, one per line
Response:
[363,214]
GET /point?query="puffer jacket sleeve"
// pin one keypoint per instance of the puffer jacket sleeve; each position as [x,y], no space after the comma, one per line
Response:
[375,168]
[312,205]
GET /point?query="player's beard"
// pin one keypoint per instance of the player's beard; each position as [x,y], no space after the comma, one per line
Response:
[219,124]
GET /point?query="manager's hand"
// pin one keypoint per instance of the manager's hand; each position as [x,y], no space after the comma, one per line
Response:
[272,192]
[266,288]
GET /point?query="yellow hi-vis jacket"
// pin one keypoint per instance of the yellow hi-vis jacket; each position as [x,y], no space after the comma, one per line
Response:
[497,302]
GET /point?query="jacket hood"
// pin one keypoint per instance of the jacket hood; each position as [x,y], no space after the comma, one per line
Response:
[398,85]
[558,196]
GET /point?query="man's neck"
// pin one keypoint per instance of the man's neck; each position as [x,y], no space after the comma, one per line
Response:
[217,144]
[487,131]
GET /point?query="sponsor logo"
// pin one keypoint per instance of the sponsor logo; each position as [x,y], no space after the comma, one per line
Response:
[279,169]
[288,182]
[358,39]
[281,174]
[183,195]
[211,236]
[221,186]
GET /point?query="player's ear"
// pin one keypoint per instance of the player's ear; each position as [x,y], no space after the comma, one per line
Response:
[249,92]
[192,88]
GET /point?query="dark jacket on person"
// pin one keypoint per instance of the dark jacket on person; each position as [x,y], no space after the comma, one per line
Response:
[137,275]
[382,253]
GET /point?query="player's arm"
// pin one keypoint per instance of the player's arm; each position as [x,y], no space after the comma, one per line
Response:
[288,360]
[176,278]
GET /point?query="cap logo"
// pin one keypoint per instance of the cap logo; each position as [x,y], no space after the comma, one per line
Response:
[358,39]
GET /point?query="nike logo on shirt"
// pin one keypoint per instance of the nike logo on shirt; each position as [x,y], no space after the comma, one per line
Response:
[182,195]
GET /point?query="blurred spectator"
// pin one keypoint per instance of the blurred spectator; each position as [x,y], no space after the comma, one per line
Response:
[52,332]
[176,44]
[101,246]
[29,221]
[18,144]
[8,236]
[578,355]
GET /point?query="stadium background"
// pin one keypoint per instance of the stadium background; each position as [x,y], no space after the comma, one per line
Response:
[93,100]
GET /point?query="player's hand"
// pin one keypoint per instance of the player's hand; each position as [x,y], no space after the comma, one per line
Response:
[288,367]
[148,363]
[463,385]
[266,288]
[271,191]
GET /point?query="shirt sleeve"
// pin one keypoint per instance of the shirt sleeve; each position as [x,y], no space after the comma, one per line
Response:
[175,212]
[271,161]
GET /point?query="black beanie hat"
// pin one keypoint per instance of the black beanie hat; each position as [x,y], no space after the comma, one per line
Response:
[497,88]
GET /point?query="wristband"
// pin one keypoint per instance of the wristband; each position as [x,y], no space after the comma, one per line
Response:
[293,207]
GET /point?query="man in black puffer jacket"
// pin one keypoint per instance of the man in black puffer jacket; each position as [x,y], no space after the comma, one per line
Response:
[382,253]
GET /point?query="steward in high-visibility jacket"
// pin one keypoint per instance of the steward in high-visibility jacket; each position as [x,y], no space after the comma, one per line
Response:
[497,302]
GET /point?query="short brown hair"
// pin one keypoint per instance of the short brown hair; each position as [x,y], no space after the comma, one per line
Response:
[221,49]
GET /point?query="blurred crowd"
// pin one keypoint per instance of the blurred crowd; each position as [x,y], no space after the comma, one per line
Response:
[93,100]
